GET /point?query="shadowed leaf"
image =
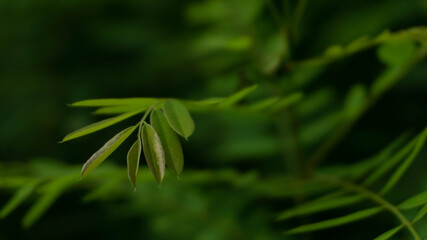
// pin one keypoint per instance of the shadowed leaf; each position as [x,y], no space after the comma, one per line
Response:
[133,158]
[390,233]
[20,196]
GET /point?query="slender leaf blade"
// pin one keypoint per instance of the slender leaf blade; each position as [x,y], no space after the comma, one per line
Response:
[390,233]
[319,206]
[153,151]
[170,142]
[414,201]
[336,221]
[178,117]
[420,214]
[99,126]
[106,150]
[115,102]
[406,164]
[19,197]
[113,110]
[233,99]
[133,158]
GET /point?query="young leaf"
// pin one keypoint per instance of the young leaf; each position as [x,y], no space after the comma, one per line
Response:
[170,142]
[336,221]
[420,214]
[405,165]
[153,152]
[233,99]
[318,206]
[106,150]
[414,201]
[20,196]
[178,117]
[133,158]
[99,125]
[115,102]
[390,233]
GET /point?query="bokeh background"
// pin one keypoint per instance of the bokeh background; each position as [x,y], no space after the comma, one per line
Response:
[53,53]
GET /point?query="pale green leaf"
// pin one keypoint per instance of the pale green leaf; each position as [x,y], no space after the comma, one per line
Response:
[19,197]
[414,201]
[153,151]
[170,142]
[235,98]
[116,101]
[336,221]
[178,117]
[390,233]
[319,206]
[99,125]
[406,164]
[133,157]
[106,150]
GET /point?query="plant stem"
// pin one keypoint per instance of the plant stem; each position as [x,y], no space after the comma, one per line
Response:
[374,197]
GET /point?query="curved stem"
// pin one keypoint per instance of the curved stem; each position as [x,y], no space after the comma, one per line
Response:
[374,197]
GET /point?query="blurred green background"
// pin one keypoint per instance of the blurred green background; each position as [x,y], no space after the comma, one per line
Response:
[53,53]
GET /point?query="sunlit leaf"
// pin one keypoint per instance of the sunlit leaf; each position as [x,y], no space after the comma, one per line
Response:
[170,142]
[19,197]
[153,151]
[414,201]
[178,117]
[319,206]
[406,164]
[51,192]
[233,99]
[106,150]
[389,234]
[99,125]
[336,221]
[147,102]
[133,158]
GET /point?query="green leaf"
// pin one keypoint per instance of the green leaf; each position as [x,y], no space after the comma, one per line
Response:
[420,214]
[51,192]
[106,150]
[170,142]
[414,201]
[287,101]
[133,158]
[99,125]
[396,52]
[319,206]
[147,102]
[406,164]
[178,117]
[390,233]
[19,197]
[336,221]
[355,99]
[119,109]
[233,99]
[382,169]
[262,105]
[153,151]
